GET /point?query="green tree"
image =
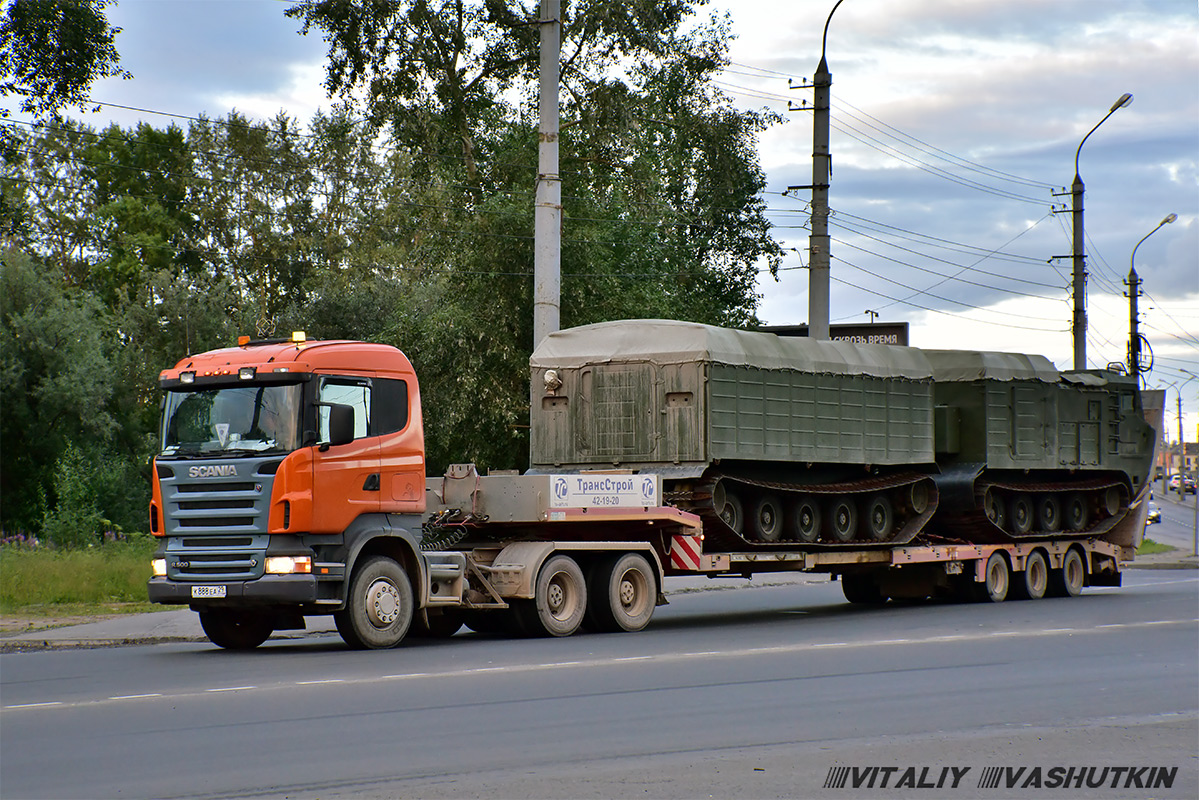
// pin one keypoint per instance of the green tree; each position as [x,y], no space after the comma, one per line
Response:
[51,51]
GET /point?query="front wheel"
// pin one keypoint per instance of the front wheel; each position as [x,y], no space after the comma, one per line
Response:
[235,630]
[379,608]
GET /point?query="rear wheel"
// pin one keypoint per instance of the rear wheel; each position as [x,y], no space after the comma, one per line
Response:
[559,602]
[1032,583]
[841,521]
[994,587]
[768,519]
[379,608]
[805,519]
[235,630]
[622,594]
[1068,581]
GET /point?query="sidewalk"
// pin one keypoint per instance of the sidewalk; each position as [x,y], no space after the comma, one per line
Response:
[183,625]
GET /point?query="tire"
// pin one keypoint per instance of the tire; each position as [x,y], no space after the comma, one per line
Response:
[861,589]
[1033,582]
[560,599]
[379,608]
[234,629]
[994,589]
[732,513]
[768,519]
[440,624]
[1020,512]
[1049,513]
[1077,512]
[841,521]
[805,520]
[878,518]
[918,497]
[1069,580]
[996,509]
[622,594]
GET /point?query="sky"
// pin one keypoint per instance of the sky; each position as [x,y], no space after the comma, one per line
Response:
[954,123]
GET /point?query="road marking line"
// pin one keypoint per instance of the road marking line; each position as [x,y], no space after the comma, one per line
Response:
[231,689]
[35,705]
[318,683]
[135,696]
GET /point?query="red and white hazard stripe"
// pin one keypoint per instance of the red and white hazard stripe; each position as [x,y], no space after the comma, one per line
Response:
[685,552]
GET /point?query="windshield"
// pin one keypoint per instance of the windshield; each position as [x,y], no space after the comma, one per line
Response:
[254,418]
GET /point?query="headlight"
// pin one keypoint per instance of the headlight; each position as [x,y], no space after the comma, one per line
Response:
[289,565]
[159,566]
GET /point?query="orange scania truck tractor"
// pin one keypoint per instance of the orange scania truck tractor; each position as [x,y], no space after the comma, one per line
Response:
[291,483]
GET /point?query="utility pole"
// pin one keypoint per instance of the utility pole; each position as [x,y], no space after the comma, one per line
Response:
[547,217]
[1134,334]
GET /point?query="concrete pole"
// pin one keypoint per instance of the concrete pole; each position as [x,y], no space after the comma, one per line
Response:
[819,258]
[1134,334]
[1079,282]
[547,218]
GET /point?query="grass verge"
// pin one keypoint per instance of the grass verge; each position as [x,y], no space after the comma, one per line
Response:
[1149,547]
[106,579]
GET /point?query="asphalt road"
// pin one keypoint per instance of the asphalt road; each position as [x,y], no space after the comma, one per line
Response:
[747,692]
[1177,527]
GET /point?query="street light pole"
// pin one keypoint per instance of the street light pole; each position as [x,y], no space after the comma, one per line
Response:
[819,259]
[1182,448]
[1134,291]
[1080,268]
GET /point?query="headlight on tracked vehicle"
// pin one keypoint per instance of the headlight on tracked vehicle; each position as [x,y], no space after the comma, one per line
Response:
[159,567]
[289,565]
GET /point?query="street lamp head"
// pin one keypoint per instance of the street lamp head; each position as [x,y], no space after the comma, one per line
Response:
[1169,218]
[1125,99]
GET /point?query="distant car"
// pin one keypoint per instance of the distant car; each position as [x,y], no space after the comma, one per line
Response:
[1155,514]
[1188,483]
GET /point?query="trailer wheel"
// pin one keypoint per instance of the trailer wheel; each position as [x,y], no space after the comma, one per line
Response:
[862,589]
[768,519]
[1077,512]
[1034,580]
[805,519]
[879,517]
[559,602]
[998,579]
[235,630]
[622,594]
[1068,581]
[731,512]
[1021,514]
[379,609]
[842,520]
[1049,513]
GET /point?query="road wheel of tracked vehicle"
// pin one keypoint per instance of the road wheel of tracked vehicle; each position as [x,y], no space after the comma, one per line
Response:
[1032,583]
[559,601]
[731,512]
[805,519]
[1077,513]
[918,497]
[622,594]
[379,608]
[1020,512]
[862,589]
[1112,501]
[1068,581]
[1049,513]
[878,518]
[768,519]
[996,510]
[235,630]
[998,579]
[841,521]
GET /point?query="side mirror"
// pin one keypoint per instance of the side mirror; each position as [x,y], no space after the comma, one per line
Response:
[341,424]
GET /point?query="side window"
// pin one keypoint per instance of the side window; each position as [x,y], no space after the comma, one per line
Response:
[390,406]
[352,392]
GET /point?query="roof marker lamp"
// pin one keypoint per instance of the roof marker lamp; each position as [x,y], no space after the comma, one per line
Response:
[187,377]
[247,373]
